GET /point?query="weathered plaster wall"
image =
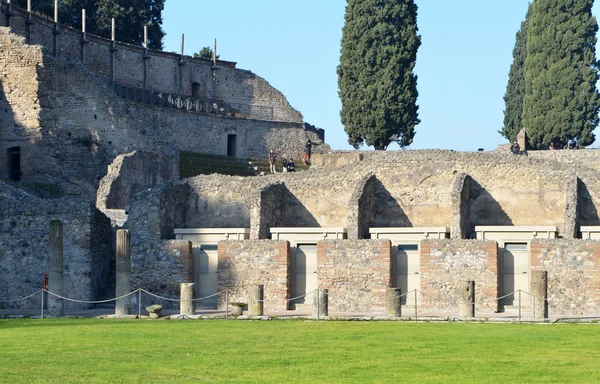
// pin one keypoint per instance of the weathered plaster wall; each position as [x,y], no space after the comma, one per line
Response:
[356,272]
[573,274]
[243,264]
[24,247]
[416,187]
[310,199]
[446,263]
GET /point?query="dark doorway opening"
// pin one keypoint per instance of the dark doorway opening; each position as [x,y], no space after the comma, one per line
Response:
[232,145]
[14,163]
[196,90]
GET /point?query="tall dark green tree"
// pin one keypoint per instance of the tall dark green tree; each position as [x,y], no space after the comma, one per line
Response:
[130,16]
[561,100]
[515,89]
[377,85]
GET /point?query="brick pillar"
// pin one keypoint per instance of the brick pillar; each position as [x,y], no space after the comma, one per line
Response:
[123,287]
[55,278]
[539,291]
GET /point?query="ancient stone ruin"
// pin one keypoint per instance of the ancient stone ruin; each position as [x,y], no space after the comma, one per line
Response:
[91,142]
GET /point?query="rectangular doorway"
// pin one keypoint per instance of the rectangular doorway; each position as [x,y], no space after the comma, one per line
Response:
[406,269]
[515,273]
[304,273]
[232,145]
[14,163]
[205,265]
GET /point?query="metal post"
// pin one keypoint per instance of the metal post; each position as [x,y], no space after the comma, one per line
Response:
[318,307]
[43,291]
[519,306]
[227,304]
[139,304]
[416,308]
[215,54]
[28,22]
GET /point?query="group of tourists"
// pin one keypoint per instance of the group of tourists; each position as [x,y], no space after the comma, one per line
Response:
[288,165]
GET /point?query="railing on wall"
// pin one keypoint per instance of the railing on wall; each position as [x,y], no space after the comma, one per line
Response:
[193,104]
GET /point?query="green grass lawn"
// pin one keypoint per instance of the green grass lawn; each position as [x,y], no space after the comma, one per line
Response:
[56,350]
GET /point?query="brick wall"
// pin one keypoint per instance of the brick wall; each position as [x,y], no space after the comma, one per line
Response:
[356,272]
[182,269]
[255,262]
[446,263]
[573,274]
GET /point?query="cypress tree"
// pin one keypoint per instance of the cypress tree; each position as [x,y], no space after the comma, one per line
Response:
[515,89]
[377,86]
[561,100]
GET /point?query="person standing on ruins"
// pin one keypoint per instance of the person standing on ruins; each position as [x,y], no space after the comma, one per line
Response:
[307,153]
[272,159]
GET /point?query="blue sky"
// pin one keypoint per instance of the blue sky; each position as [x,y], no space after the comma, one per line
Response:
[462,64]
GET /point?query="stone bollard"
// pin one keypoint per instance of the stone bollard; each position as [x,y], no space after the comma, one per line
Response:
[321,303]
[55,277]
[393,307]
[466,299]
[256,300]
[186,306]
[539,291]
[123,283]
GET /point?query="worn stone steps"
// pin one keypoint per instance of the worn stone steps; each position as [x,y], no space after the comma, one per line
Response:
[193,164]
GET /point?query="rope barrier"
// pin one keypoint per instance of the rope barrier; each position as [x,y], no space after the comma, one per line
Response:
[227,292]
[22,298]
[159,297]
[208,297]
[91,301]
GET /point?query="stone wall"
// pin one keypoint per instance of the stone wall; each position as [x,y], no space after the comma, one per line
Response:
[362,209]
[267,211]
[356,272]
[573,274]
[70,125]
[24,247]
[132,172]
[164,69]
[160,267]
[446,263]
[460,226]
[243,264]
[416,187]
[158,263]
[572,210]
